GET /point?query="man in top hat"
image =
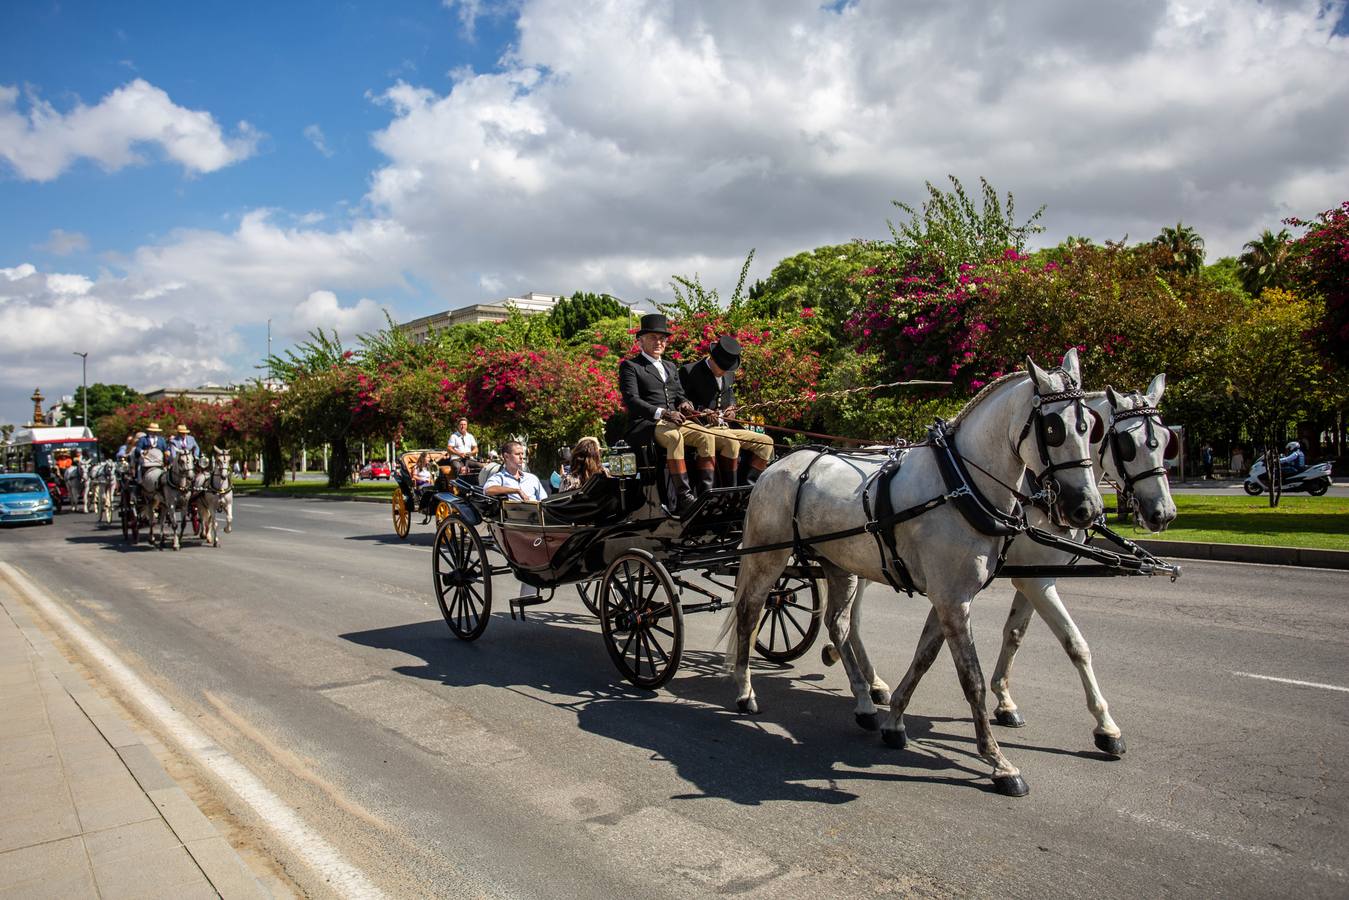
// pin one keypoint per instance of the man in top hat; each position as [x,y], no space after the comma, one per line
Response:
[709,384]
[183,442]
[657,407]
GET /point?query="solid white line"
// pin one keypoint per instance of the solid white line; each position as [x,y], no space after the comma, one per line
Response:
[307,843]
[1315,684]
[279,528]
[1265,852]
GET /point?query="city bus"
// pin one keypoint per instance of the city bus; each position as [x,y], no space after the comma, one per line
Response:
[40,450]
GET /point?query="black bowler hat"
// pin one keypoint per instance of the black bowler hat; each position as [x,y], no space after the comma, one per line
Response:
[725,353]
[653,323]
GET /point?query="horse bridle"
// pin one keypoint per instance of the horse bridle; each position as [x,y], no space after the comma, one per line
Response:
[1148,414]
[1050,431]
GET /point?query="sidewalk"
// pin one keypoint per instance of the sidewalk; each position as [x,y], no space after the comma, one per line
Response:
[86,810]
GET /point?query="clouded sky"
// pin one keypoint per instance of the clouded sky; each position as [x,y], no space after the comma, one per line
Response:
[174,175]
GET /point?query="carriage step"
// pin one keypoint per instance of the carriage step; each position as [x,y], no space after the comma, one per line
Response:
[519,603]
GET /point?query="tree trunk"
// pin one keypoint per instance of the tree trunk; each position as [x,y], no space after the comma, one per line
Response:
[273,464]
[339,468]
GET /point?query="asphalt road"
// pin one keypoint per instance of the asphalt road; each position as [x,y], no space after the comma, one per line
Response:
[309,646]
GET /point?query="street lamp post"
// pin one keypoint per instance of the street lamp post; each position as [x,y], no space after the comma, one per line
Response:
[84,384]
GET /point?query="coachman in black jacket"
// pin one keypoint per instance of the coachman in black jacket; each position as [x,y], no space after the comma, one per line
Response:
[657,409]
[709,385]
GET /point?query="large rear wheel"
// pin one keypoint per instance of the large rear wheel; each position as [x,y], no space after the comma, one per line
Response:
[402,517]
[1318,487]
[462,579]
[641,618]
[791,618]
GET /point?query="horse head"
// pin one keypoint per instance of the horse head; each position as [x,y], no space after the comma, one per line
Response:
[1055,442]
[180,471]
[1134,453]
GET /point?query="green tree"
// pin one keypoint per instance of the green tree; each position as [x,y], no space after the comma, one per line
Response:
[1184,246]
[949,225]
[103,400]
[1265,261]
[1226,275]
[826,281]
[581,311]
[691,298]
[328,399]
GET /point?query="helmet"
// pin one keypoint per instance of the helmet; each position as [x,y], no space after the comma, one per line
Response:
[1292,445]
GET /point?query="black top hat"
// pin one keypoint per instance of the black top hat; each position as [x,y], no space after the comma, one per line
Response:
[654,323]
[725,352]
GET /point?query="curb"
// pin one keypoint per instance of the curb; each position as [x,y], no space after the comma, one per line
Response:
[1249,553]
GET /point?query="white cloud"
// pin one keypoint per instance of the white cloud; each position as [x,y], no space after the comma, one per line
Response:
[321,310]
[63,243]
[45,142]
[314,135]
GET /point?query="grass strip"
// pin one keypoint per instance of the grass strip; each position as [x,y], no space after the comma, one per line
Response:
[1298,521]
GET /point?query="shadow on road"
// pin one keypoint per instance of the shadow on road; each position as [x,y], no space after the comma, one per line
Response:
[804,748]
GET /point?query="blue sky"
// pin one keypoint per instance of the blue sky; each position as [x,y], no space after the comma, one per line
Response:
[165,193]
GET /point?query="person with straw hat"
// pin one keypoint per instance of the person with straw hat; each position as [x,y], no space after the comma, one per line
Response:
[183,442]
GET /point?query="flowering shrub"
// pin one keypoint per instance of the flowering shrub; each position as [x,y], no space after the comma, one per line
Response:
[1324,256]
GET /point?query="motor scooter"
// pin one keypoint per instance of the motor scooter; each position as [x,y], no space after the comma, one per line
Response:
[1315,479]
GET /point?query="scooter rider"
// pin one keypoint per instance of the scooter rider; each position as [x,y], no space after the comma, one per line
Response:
[1293,460]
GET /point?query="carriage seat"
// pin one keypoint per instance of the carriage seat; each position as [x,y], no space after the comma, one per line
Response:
[603,500]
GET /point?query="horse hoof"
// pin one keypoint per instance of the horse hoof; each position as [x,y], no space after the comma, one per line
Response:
[868,721]
[1010,785]
[880,697]
[895,740]
[748,706]
[1114,746]
[1009,718]
[829,654]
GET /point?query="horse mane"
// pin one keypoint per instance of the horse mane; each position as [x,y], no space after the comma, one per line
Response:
[983,394]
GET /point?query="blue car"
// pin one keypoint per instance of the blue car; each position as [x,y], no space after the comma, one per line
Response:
[24,498]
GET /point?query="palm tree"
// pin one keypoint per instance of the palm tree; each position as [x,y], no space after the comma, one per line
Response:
[1265,262]
[1185,246]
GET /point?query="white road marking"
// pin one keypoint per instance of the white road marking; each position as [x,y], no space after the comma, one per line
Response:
[316,512]
[1315,684]
[307,843]
[1266,852]
[279,528]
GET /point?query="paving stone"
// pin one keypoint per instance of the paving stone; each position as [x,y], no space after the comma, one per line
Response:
[20,753]
[183,816]
[129,840]
[52,869]
[226,871]
[154,873]
[21,725]
[145,768]
[110,801]
[32,818]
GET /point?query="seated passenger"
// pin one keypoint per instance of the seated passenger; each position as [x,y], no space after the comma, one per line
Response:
[421,475]
[511,481]
[585,464]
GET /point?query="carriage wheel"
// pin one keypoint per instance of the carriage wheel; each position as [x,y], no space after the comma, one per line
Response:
[443,512]
[642,620]
[589,592]
[402,518]
[462,578]
[791,619]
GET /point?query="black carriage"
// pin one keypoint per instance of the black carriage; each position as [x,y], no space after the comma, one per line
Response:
[633,563]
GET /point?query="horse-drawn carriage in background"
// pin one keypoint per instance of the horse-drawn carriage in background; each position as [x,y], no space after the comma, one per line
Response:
[633,563]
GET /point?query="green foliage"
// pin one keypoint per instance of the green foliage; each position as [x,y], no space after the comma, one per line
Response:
[691,298]
[950,225]
[825,282]
[1225,274]
[104,399]
[321,351]
[581,311]
[876,416]
[1266,261]
[1183,245]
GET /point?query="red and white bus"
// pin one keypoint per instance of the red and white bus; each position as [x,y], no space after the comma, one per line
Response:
[42,450]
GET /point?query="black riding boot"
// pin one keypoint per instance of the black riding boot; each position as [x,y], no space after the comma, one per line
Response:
[704,475]
[679,497]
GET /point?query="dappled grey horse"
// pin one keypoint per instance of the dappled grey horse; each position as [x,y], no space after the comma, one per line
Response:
[177,491]
[153,503]
[103,481]
[945,536]
[1132,455]
[77,483]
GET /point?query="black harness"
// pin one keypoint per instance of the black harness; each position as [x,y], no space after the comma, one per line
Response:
[1123,449]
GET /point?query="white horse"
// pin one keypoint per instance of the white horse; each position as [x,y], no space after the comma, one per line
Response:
[222,485]
[153,504]
[104,478]
[177,492]
[1132,456]
[77,482]
[213,492]
[1027,421]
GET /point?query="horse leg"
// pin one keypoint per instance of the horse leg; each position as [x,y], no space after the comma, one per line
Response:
[1106,734]
[955,625]
[1013,633]
[840,618]
[929,645]
[758,573]
[878,689]
[229,513]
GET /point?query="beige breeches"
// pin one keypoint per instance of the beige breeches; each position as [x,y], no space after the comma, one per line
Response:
[674,438]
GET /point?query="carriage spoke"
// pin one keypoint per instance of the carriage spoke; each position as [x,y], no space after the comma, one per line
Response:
[653,643]
[665,631]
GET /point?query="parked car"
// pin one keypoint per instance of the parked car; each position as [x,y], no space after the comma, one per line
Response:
[377,468]
[24,498]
